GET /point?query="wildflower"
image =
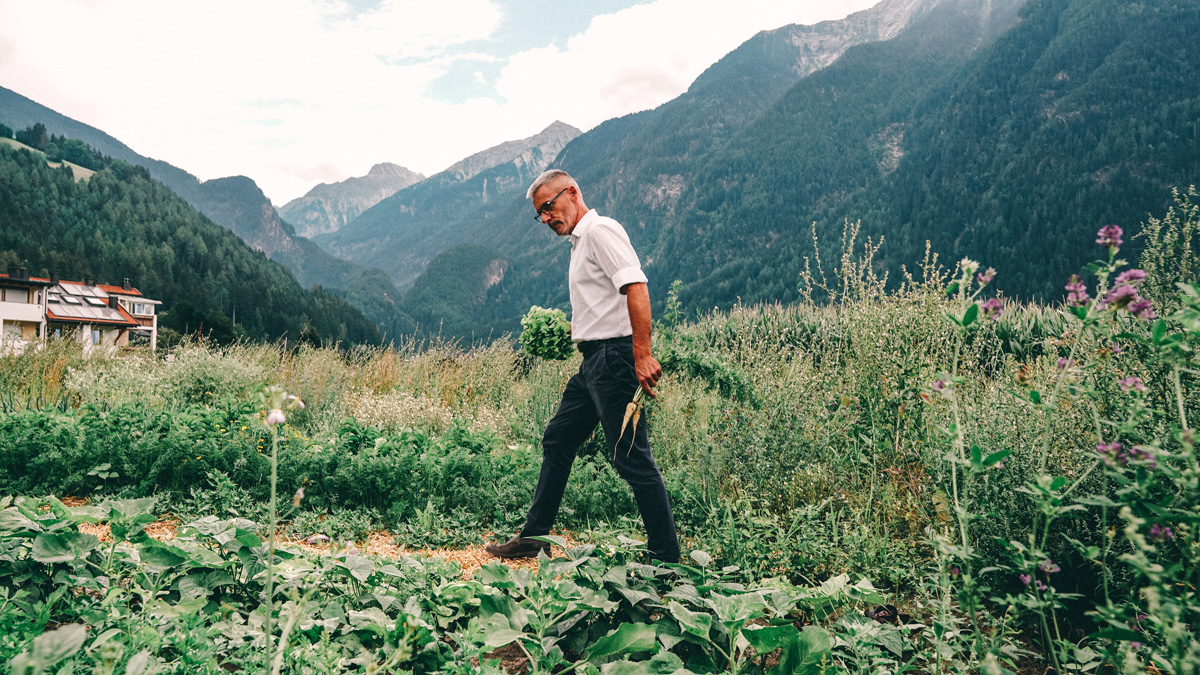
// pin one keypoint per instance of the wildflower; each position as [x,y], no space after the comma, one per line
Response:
[1116,349]
[1121,296]
[1112,453]
[1025,579]
[297,497]
[1135,645]
[317,539]
[1141,309]
[985,278]
[1063,364]
[993,308]
[940,385]
[1040,585]
[1132,383]
[1110,236]
[1143,454]
[275,417]
[1049,567]
[1131,277]
[967,265]
[954,571]
[1077,295]
[1160,534]
[295,402]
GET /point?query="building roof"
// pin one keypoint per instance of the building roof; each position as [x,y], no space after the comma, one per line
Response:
[31,281]
[118,290]
[74,302]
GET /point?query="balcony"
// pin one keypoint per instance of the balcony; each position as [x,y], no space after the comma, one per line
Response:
[20,311]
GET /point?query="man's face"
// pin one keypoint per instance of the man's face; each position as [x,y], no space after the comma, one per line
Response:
[555,203]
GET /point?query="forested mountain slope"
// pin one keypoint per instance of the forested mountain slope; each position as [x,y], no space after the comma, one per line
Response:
[236,203]
[1084,114]
[122,223]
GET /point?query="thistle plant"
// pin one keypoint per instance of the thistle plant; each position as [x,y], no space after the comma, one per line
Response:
[273,402]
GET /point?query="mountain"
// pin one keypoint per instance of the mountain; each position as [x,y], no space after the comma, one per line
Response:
[236,203]
[402,233]
[122,223]
[642,169]
[329,206]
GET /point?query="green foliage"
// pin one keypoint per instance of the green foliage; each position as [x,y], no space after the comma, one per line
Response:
[546,333]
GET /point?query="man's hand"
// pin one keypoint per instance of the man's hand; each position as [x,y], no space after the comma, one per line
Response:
[648,370]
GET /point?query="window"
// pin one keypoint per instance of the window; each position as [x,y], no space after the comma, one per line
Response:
[96,302]
[15,295]
[70,300]
[143,308]
[96,336]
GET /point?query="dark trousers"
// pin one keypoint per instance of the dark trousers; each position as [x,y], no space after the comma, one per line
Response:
[599,392]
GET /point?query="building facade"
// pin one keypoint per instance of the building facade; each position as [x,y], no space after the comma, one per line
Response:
[33,309]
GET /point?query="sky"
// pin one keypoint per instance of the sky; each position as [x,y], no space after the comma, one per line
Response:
[293,93]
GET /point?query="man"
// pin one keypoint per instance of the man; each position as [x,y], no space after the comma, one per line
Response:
[610,323]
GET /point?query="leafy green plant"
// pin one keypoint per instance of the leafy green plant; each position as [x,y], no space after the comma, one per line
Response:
[546,333]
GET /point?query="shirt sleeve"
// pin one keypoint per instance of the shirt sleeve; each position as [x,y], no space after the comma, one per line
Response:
[615,255]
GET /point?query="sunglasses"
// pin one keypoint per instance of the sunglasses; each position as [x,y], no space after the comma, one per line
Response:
[547,204]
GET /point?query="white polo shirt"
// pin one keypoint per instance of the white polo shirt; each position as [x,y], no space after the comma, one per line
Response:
[602,261]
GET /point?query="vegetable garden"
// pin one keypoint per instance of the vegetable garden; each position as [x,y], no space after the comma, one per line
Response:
[906,477]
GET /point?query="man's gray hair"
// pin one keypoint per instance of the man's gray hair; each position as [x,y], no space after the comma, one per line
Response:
[546,177]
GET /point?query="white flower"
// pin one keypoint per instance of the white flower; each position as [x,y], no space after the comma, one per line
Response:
[275,417]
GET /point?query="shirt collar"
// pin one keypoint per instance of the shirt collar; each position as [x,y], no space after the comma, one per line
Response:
[586,222]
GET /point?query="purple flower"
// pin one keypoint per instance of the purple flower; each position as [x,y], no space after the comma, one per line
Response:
[1063,364]
[1109,235]
[1160,534]
[1134,383]
[1121,296]
[1131,277]
[1049,567]
[317,539]
[985,278]
[940,385]
[954,571]
[1116,348]
[1040,585]
[1077,295]
[275,417]
[1112,453]
[1135,645]
[1025,579]
[1141,309]
[296,402]
[992,308]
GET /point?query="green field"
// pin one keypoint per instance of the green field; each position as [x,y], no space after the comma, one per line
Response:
[896,480]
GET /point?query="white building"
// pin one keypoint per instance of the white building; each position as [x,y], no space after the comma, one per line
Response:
[96,315]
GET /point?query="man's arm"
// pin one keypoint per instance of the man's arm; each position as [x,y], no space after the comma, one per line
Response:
[646,367]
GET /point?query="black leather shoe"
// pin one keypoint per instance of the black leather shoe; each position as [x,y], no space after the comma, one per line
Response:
[518,547]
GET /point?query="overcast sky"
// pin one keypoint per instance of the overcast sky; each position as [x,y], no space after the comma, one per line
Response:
[298,92]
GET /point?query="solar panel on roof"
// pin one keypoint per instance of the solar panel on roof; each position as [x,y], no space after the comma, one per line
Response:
[70,300]
[96,302]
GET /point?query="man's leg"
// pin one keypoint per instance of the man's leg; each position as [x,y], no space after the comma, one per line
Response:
[612,384]
[568,429]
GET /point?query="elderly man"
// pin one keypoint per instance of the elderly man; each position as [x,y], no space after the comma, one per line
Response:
[610,323]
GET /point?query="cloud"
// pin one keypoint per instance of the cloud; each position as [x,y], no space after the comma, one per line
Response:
[288,91]
[645,55]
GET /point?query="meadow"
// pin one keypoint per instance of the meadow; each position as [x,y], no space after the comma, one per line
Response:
[903,477]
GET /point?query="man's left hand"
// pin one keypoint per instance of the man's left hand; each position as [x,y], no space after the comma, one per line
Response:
[648,370]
